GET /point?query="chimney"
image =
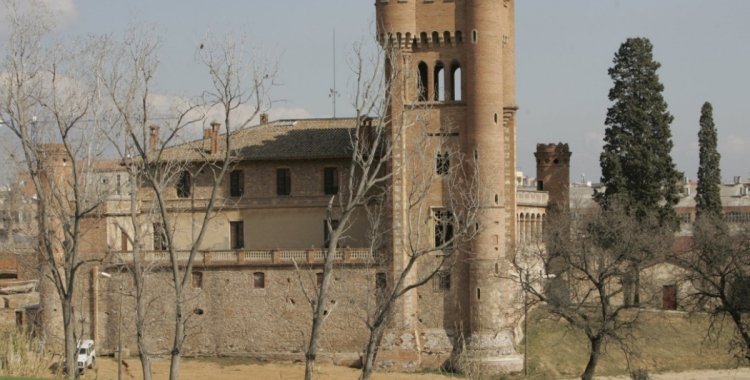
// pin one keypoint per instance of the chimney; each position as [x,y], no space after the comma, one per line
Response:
[153,137]
[365,134]
[263,118]
[215,125]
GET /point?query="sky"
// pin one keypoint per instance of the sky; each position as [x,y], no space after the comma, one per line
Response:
[563,51]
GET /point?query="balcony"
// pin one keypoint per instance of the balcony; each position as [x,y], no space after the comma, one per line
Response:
[276,257]
[532,198]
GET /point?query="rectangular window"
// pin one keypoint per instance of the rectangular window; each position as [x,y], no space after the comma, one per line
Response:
[326,236]
[444,280]
[197,279]
[259,280]
[443,228]
[318,279]
[443,163]
[183,185]
[283,182]
[331,181]
[236,183]
[237,234]
[540,185]
[381,281]
[119,185]
[160,237]
[124,241]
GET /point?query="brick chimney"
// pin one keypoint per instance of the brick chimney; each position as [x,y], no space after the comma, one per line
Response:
[365,134]
[215,125]
[263,118]
[153,137]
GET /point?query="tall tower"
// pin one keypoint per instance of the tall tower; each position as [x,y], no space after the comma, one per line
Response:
[459,58]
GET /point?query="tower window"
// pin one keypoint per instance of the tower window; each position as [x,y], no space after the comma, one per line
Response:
[474,36]
[447,37]
[422,82]
[540,185]
[283,182]
[495,118]
[439,82]
[459,37]
[443,163]
[443,228]
[435,38]
[455,93]
[444,280]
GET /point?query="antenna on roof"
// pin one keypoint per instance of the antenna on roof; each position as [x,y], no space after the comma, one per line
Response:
[333,94]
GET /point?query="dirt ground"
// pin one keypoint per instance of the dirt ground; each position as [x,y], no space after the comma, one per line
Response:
[236,369]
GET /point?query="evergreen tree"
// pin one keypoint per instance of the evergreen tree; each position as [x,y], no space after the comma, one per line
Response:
[637,168]
[708,198]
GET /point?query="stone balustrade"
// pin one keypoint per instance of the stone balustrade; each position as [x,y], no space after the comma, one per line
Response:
[532,198]
[252,257]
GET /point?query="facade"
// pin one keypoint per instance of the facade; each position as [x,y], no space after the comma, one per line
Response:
[456,65]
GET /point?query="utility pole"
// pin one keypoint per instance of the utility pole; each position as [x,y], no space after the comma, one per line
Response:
[333,93]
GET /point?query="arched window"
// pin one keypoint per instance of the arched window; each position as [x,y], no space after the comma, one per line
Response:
[455,81]
[423,38]
[422,82]
[439,82]
[436,38]
[459,37]
[447,37]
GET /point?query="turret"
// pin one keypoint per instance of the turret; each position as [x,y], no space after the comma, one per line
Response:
[553,172]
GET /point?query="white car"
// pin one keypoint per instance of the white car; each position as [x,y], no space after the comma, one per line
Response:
[86,355]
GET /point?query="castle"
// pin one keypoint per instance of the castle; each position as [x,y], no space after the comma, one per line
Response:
[247,294]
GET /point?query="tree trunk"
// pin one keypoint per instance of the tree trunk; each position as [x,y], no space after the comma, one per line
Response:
[179,332]
[596,346]
[70,339]
[312,349]
[141,336]
[371,352]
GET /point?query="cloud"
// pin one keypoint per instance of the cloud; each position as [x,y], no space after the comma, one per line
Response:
[594,141]
[64,13]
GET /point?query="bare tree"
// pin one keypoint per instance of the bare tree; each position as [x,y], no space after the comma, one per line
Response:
[587,260]
[382,161]
[717,267]
[46,98]
[126,71]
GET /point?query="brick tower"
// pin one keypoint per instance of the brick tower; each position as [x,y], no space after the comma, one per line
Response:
[459,58]
[553,172]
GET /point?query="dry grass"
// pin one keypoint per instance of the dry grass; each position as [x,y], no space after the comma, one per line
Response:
[18,354]
[667,342]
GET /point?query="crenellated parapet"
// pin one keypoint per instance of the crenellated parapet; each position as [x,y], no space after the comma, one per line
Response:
[422,40]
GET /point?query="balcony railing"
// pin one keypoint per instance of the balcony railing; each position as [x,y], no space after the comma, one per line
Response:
[252,257]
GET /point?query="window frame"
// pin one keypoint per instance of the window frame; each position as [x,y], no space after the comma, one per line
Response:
[236,183]
[160,237]
[331,180]
[283,181]
[443,217]
[184,185]
[259,280]
[237,234]
[196,279]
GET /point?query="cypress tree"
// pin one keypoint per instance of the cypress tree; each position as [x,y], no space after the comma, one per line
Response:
[708,198]
[637,167]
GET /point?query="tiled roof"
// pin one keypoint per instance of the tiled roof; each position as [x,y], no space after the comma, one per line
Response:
[281,139]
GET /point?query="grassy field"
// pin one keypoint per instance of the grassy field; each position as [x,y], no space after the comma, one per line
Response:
[667,342]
